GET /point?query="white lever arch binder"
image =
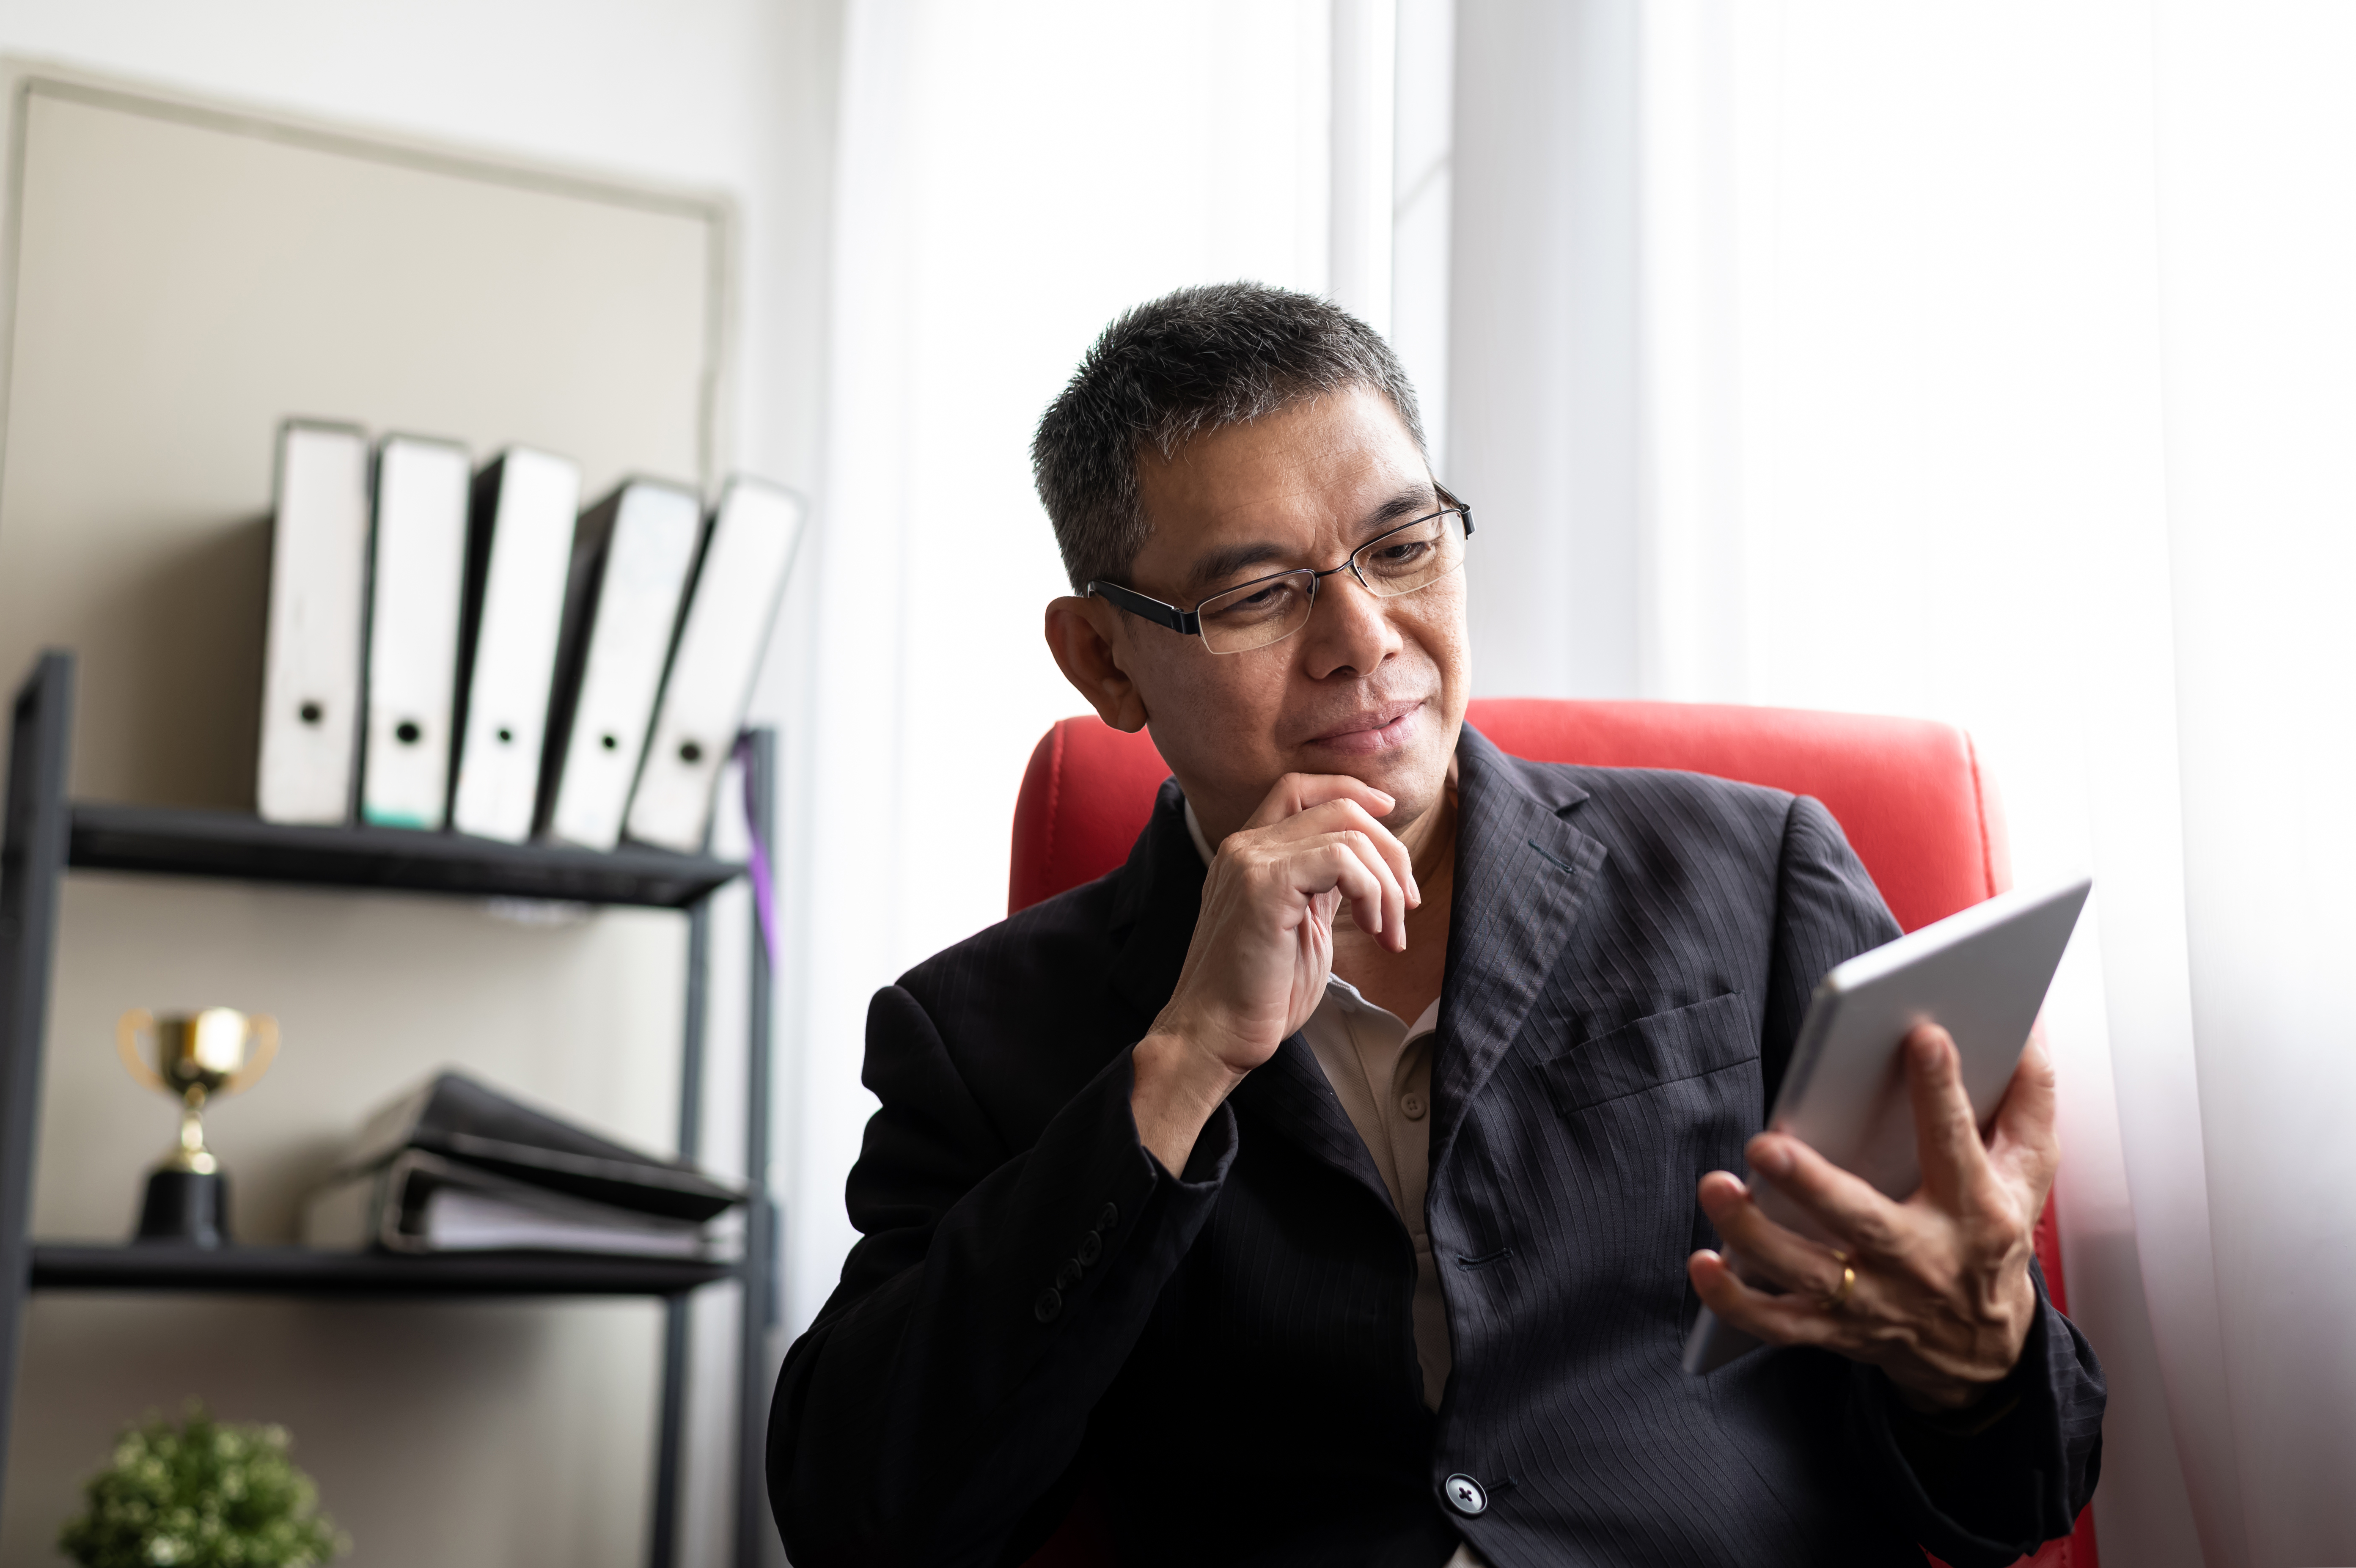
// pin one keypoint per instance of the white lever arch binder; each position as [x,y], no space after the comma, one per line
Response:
[416,589]
[519,545]
[631,555]
[737,587]
[318,576]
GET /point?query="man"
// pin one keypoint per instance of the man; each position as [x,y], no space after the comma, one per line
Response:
[1321,1185]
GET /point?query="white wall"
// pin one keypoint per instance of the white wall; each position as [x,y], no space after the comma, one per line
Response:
[1542,394]
[1423,200]
[734,96]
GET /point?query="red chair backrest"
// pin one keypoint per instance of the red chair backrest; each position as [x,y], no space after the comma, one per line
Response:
[1909,794]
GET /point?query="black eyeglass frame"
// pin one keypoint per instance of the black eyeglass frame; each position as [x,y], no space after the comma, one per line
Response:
[1189,623]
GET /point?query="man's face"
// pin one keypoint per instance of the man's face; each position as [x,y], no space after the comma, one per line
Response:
[1375,688]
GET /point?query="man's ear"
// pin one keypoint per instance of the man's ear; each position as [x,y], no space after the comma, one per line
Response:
[1080,634]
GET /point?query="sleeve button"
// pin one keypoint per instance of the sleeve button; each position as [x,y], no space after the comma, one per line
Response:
[1466,1495]
[1091,1249]
[1108,1216]
[1049,1304]
[1068,1275]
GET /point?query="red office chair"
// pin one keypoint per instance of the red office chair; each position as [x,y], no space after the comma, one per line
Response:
[1909,793]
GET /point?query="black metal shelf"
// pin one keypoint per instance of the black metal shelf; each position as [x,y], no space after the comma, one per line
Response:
[311,1272]
[43,835]
[181,842]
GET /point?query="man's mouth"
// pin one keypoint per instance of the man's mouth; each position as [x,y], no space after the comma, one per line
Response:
[1372,730]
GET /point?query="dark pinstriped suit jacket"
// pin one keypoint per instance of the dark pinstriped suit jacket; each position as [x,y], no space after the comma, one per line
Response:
[1229,1363]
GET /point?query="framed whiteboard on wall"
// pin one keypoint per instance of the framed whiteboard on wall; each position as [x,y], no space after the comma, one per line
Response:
[181,275]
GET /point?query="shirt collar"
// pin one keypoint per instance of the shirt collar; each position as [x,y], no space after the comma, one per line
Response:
[1424,1024]
[1194,832]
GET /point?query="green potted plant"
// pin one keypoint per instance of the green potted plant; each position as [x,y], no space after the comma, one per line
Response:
[201,1495]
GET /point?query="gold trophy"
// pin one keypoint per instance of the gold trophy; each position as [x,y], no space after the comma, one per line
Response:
[199,1057]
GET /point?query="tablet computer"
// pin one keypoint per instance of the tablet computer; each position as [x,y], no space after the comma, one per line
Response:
[1982,974]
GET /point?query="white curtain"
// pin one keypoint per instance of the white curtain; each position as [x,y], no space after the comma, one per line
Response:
[1998,362]
[1009,179]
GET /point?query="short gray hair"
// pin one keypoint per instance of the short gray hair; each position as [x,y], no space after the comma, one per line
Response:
[1185,364]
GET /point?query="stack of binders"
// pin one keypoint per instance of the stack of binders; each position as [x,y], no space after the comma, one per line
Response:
[451,648]
[457,1166]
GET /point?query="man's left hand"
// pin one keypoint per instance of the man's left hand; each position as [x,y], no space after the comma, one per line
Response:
[1941,1299]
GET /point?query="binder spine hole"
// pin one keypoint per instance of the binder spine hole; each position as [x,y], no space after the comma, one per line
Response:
[690,753]
[407,732]
[311,712]
[505,734]
[610,741]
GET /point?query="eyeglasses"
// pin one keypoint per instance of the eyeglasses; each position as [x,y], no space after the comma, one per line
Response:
[1270,609]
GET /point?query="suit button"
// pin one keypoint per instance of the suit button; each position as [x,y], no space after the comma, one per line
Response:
[1108,1216]
[1465,1495]
[1412,1105]
[1091,1249]
[1049,1304]
[1068,1275]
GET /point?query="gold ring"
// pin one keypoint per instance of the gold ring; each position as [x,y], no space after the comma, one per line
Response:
[1839,1298]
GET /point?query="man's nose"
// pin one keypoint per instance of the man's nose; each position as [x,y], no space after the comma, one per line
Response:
[1349,629]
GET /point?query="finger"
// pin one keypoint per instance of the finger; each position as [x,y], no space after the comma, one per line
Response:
[1345,863]
[1297,792]
[1391,910]
[1348,816]
[1861,1220]
[1769,1251]
[1778,1320]
[1345,815]
[2022,1141]
[1947,1133]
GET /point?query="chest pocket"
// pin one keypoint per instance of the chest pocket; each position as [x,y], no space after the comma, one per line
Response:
[1667,1047]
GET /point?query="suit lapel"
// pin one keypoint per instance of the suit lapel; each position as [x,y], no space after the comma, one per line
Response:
[1521,875]
[1161,892]
[1288,1095]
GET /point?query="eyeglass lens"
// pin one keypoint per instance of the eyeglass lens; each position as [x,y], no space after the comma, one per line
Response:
[1272,608]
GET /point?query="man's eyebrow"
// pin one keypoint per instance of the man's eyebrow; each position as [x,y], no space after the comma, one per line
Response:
[1221,565]
[1417,501]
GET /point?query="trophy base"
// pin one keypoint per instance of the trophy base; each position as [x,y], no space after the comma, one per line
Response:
[187,1207]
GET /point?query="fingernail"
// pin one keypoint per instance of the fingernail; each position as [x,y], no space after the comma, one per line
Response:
[1773,1158]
